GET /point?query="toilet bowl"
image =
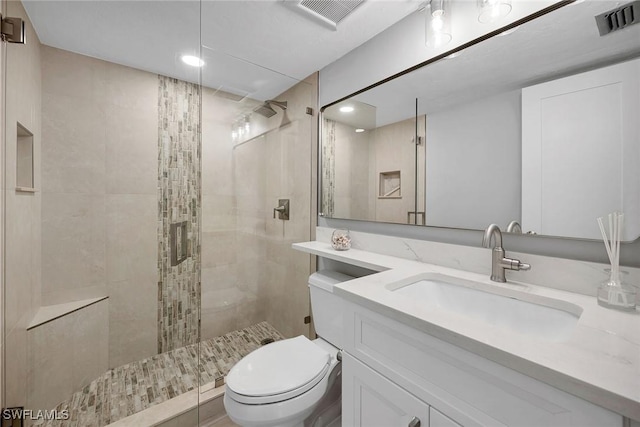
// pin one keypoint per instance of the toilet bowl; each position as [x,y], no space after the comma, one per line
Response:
[293,382]
[281,384]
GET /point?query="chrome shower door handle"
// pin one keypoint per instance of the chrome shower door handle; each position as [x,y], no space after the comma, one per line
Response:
[415,422]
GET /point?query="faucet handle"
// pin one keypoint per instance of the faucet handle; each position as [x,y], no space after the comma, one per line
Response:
[514,264]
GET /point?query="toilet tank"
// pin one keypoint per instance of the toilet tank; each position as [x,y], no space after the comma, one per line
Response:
[326,308]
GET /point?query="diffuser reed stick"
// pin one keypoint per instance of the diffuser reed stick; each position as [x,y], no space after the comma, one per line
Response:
[613,293]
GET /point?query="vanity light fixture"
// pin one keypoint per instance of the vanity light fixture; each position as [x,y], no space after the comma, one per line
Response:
[438,23]
[359,130]
[346,109]
[194,61]
[492,10]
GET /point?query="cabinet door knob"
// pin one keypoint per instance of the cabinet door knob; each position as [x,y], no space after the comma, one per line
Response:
[415,422]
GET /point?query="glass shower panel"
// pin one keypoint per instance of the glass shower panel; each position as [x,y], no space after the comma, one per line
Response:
[255,155]
[102,277]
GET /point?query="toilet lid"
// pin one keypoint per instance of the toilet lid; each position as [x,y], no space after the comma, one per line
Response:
[279,368]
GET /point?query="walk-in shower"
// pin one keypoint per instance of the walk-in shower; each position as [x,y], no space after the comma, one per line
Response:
[140,261]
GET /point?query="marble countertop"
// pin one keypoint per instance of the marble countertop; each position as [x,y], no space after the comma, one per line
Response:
[599,362]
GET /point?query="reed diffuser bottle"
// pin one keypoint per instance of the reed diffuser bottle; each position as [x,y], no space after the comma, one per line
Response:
[613,293]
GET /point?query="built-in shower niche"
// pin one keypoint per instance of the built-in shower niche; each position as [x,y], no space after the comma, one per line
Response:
[179,246]
[24,160]
[390,185]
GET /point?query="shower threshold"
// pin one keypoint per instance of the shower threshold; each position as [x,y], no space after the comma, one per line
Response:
[134,387]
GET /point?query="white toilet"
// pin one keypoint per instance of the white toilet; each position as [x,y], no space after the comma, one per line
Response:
[293,382]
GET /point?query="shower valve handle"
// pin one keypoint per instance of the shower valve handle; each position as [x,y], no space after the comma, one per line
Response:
[282,209]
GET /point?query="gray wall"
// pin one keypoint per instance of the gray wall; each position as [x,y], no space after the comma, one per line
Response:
[474,150]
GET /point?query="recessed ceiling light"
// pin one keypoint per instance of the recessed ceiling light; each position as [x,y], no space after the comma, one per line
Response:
[346,109]
[194,61]
[359,130]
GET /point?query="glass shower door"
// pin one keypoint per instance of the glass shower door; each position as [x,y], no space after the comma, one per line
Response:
[101,290]
[256,156]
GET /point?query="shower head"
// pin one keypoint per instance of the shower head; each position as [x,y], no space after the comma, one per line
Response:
[281,104]
[267,111]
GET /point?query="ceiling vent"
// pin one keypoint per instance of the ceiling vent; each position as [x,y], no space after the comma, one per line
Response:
[619,18]
[326,12]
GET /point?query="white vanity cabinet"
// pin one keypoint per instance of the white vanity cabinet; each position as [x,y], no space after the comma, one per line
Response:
[371,400]
[393,372]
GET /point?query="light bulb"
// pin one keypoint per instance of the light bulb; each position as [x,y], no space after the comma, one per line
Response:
[492,10]
[437,23]
[194,61]
[437,7]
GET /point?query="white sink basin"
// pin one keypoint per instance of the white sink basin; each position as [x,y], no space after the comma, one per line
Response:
[532,315]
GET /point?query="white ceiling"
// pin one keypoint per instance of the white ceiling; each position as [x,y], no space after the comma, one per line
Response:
[251,48]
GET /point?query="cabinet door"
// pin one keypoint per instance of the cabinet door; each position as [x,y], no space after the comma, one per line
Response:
[570,127]
[436,419]
[371,400]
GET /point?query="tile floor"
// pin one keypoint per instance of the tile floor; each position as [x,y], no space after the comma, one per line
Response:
[130,388]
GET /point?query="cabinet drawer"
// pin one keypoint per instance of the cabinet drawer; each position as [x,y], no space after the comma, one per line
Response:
[370,400]
[465,387]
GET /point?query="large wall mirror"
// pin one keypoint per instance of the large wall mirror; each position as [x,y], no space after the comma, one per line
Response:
[537,130]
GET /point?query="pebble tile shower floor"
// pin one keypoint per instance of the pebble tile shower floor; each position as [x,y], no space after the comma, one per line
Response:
[131,388]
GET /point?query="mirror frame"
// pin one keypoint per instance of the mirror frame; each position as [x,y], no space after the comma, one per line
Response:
[591,250]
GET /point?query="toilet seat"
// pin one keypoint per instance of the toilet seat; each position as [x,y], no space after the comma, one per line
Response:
[278,372]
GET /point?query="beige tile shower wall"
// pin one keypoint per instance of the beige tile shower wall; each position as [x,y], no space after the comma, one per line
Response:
[66,354]
[232,219]
[250,189]
[393,150]
[99,212]
[352,173]
[22,210]
[288,170]
[249,272]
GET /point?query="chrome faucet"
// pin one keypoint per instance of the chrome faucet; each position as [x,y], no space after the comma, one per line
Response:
[498,261]
[514,227]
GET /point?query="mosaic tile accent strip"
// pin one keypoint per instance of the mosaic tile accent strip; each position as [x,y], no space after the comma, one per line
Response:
[179,199]
[328,168]
[131,388]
